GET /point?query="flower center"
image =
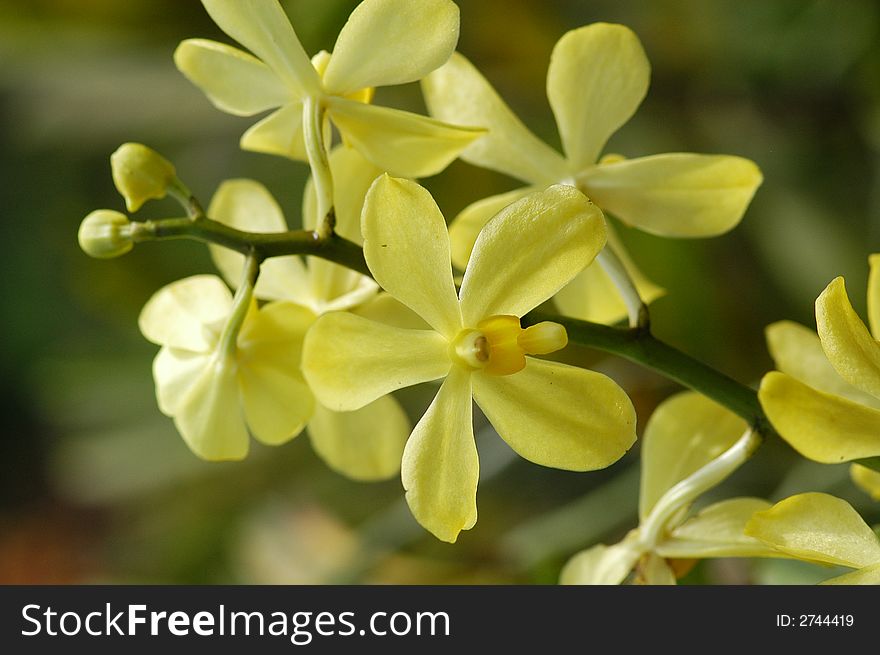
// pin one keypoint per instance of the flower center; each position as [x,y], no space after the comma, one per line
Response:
[498,345]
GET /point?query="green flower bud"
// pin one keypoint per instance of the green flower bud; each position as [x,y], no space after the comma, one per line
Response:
[105,233]
[140,174]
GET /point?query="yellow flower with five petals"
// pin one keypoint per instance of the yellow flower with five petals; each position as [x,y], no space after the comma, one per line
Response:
[384,42]
[598,76]
[549,413]
[690,445]
[219,373]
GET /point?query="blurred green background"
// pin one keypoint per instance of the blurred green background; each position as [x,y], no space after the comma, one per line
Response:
[95,484]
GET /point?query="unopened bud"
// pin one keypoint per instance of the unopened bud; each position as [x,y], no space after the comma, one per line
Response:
[140,174]
[105,233]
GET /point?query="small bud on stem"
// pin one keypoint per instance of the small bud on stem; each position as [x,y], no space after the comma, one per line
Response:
[105,234]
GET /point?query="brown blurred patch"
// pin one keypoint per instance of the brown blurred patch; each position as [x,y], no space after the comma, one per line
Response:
[50,544]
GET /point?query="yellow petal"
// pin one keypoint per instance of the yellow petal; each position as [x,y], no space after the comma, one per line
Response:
[867,479]
[718,531]
[817,527]
[406,246]
[600,565]
[387,42]
[351,361]
[399,142]
[821,427]
[277,401]
[676,195]
[234,81]
[188,314]
[280,133]
[457,93]
[385,308]
[465,228]
[593,296]
[559,415]
[263,28]
[248,205]
[597,78]
[868,575]
[654,570]
[356,175]
[366,444]
[209,416]
[797,351]
[874,294]
[529,251]
[174,372]
[440,467]
[850,348]
[685,432]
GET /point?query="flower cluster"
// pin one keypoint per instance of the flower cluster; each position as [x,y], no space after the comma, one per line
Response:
[315,329]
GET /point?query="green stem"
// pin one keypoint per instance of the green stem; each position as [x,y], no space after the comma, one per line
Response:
[295,242]
[640,346]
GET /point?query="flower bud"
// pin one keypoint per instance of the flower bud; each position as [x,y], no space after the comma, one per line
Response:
[105,233]
[140,174]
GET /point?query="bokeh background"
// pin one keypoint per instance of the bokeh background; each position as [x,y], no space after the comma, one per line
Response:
[95,484]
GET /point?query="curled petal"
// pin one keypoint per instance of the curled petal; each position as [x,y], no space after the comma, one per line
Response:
[406,246]
[558,415]
[817,527]
[850,348]
[440,467]
[678,194]
[388,42]
[819,426]
[457,93]
[351,361]
[187,314]
[529,251]
[597,78]
[400,142]
[366,444]
[233,80]
[263,28]
[797,351]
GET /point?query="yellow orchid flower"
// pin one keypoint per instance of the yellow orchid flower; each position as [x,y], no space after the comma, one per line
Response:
[384,42]
[549,413]
[216,384]
[825,398]
[690,445]
[817,527]
[598,76]
[366,444]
